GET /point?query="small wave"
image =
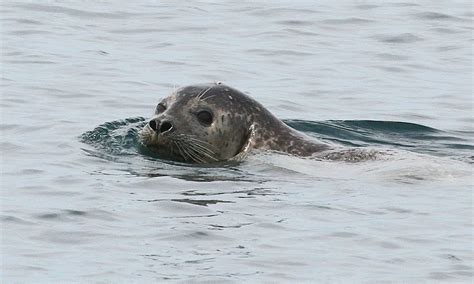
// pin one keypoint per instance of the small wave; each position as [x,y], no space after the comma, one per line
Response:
[24,21]
[401,38]
[390,68]
[295,23]
[445,30]
[348,21]
[72,12]
[116,137]
[274,52]
[30,62]
[136,31]
[70,214]
[120,138]
[405,135]
[279,11]
[300,31]
[366,6]
[29,32]
[402,4]
[392,57]
[435,16]
[118,142]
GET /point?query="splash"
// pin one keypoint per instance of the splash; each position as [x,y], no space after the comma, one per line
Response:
[120,138]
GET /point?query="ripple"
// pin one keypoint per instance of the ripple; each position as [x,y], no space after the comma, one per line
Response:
[136,31]
[295,23]
[29,32]
[249,192]
[274,52]
[24,21]
[388,245]
[198,236]
[402,4]
[445,30]
[436,16]
[4,127]
[160,45]
[347,21]
[394,57]
[16,220]
[73,12]
[280,11]
[366,6]
[174,63]
[401,38]
[220,227]
[301,32]
[393,69]
[44,62]
[31,172]
[200,202]
[448,48]
[11,147]
[344,235]
[69,237]
[72,214]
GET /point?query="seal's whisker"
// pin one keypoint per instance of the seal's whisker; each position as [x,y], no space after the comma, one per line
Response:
[203,148]
[202,153]
[178,145]
[207,98]
[209,119]
[186,138]
[195,157]
[191,154]
[203,143]
[199,97]
[187,155]
[197,148]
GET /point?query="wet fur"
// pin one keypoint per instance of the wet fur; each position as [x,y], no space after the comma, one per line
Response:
[239,124]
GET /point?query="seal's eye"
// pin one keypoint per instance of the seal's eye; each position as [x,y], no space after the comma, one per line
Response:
[160,108]
[204,117]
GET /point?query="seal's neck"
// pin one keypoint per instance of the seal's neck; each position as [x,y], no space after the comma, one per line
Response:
[276,135]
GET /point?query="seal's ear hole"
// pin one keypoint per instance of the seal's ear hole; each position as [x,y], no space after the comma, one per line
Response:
[204,117]
[160,108]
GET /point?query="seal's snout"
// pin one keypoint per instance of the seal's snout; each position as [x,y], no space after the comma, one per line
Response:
[160,126]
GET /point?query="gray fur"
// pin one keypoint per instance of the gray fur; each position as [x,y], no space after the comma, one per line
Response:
[239,124]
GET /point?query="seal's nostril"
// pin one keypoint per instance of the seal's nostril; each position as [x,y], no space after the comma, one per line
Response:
[152,124]
[165,126]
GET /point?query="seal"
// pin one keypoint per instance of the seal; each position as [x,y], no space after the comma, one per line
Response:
[213,122]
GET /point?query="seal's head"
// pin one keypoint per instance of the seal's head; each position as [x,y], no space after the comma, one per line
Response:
[200,124]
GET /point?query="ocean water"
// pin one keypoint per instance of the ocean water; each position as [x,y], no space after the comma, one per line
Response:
[81,203]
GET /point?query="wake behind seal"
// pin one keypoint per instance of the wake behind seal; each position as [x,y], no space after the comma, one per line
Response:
[213,122]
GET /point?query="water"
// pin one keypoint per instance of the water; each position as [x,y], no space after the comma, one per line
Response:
[394,76]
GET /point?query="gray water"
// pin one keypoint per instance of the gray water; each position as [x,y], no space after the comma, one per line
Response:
[74,212]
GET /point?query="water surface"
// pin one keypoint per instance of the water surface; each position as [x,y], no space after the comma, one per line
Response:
[81,204]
